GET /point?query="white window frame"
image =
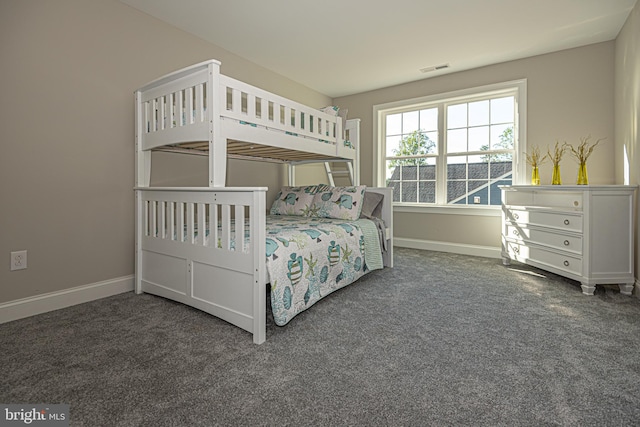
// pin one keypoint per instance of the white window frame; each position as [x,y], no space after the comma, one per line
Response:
[516,88]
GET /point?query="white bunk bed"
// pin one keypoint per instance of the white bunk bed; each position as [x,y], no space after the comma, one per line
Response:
[178,255]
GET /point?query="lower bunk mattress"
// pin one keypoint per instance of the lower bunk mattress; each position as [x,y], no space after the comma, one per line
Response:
[308,258]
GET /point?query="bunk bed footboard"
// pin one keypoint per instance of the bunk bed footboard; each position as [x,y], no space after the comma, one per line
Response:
[186,251]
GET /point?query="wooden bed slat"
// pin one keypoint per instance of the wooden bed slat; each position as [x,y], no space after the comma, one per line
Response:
[172,220]
[226,227]
[180,108]
[239,227]
[189,106]
[199,108]
[248,150]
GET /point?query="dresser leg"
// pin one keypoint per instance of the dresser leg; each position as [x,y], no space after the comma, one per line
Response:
[588,289]
[506,261]
[626,288]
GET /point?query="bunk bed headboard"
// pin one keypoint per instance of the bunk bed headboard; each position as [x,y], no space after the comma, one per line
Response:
[176,108]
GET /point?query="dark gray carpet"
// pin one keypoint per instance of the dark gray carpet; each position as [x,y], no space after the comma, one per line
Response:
[441,339]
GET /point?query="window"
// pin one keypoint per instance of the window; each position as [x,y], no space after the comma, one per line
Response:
[452,149]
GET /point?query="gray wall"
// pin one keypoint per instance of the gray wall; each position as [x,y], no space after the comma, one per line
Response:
[570,95]
[69,69]
[627,110]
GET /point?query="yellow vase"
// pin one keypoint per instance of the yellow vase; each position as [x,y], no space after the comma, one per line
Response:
[583,179]
[535,176]
[555,178]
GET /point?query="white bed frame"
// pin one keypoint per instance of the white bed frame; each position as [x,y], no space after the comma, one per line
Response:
[199,110]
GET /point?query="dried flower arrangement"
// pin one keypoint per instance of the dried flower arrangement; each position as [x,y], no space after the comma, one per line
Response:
[556,157]
[582,153]
[535,160]
[558,152]
[584,149]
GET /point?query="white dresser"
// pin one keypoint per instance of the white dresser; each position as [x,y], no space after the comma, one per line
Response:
[583,232]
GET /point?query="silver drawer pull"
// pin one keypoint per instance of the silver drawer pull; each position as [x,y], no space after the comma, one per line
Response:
[566,263]
[566,243]
[516,249]
[515,232]
[566,222]
[576,203]
[515,215]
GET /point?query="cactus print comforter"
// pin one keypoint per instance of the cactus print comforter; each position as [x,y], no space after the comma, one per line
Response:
[308,258]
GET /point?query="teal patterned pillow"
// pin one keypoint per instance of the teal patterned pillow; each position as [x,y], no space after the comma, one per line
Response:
[294,201]
[338,202]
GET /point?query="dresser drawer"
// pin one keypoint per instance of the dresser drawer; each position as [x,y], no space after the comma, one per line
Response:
[568,221]
[563,242]
[560,261]
[550,198]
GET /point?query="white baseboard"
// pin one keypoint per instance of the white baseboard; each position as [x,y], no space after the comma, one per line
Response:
[456,248]
[25,307]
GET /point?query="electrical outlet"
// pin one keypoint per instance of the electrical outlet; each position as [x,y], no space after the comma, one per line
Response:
[18,260]
[476,199]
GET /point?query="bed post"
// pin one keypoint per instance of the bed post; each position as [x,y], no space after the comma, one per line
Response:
[259,260]
[291,169]
[138,249]
[142,176]
[143,157]
[217,144]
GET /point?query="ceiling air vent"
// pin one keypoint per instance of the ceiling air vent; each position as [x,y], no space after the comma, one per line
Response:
[434,68]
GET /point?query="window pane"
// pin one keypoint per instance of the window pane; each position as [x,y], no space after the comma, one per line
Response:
[456,191]
[409,172]
[502,110]
[393,145]
[432,142]
[393,171]
[457,140]
[475,185]
[410,192]
[478,167]
[502,137]
[427,171]
[457,167]
[427,192]
[410,121]
[429,119]
[479,113]
[502,166]
[478,193]
[396,190]
[456,116]
[479,138]
[394,124]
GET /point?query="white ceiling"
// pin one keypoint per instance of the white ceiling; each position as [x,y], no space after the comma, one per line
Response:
[342,47]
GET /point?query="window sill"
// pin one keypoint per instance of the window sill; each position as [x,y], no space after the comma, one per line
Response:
[491,211]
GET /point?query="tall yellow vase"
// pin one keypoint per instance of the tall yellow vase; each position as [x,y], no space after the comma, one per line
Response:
[535,176]
[555,178]
[583,179]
